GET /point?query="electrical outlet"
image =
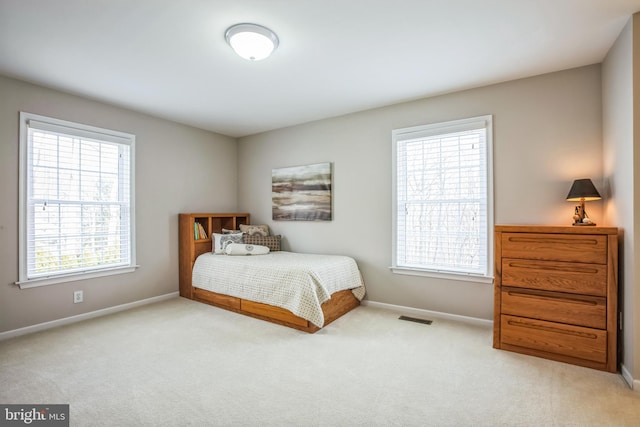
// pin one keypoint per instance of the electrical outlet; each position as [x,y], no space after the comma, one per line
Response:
[78,296]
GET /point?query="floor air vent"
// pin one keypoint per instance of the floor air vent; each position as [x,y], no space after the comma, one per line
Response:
[413,319]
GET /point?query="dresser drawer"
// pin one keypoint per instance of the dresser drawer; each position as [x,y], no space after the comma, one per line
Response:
[591,249]
[572,341]
[590,279]
[581,310]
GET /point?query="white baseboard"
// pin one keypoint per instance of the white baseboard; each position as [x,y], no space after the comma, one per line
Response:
[628,378]
[428,313]
[84,316]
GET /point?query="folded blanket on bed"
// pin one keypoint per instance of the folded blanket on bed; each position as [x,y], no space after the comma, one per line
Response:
[297,282]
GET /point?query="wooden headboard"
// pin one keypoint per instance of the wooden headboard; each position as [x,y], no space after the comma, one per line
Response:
[190,248]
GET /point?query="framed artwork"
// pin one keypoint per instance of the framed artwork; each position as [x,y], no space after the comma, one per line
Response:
[301,193]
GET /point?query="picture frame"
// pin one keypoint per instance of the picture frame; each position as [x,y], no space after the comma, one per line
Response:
[302,193]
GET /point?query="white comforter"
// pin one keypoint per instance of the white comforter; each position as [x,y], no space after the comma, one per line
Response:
[297,282]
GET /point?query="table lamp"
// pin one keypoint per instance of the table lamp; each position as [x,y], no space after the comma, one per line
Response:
[582,191]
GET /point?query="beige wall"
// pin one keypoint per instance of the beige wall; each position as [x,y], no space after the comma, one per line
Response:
[621,130]
[547,132]
[633,338]
[178,168]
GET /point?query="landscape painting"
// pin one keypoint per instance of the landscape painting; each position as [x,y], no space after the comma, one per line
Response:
[302,193]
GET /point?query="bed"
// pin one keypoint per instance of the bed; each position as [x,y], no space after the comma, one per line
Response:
[301,291]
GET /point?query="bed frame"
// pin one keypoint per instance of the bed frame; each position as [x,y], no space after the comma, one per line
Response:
[190,248]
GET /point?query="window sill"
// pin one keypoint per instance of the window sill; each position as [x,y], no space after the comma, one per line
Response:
[46,281]
[461,277]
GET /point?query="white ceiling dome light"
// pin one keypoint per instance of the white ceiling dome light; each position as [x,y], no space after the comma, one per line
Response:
[251,41]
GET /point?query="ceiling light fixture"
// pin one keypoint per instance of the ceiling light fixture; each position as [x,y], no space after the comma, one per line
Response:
[251,41]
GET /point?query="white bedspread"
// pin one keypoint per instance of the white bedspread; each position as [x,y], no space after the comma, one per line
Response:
[297,282]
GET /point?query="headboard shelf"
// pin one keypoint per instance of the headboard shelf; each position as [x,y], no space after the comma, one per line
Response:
[191,248]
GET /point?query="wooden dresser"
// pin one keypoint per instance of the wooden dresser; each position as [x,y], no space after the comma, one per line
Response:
[556,293]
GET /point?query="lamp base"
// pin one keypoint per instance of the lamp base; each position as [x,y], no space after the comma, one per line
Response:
[580,216]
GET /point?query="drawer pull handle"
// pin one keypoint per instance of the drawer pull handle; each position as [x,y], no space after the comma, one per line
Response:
[551,329]
[590,242]
[553,298]
[568,269]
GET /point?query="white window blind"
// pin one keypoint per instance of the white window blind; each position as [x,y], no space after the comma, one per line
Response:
[443,197]
[76,199]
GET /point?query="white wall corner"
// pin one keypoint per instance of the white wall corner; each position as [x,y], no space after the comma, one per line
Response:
[628,378]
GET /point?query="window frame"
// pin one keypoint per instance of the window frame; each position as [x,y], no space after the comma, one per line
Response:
[78,130]
[444,128]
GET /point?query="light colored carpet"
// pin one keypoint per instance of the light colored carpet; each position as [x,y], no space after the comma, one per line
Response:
[180,362]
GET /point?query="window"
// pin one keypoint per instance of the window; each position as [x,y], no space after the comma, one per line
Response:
[443,207]
[76,201]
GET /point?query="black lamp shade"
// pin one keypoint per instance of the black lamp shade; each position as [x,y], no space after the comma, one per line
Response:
[583,189]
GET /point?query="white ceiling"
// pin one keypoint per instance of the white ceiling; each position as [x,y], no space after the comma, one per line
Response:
[169,58]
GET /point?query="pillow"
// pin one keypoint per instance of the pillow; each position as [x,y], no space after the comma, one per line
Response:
[244,249]
[227,231]
[220,241]
[272,242]
[262,230]
[217,247]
